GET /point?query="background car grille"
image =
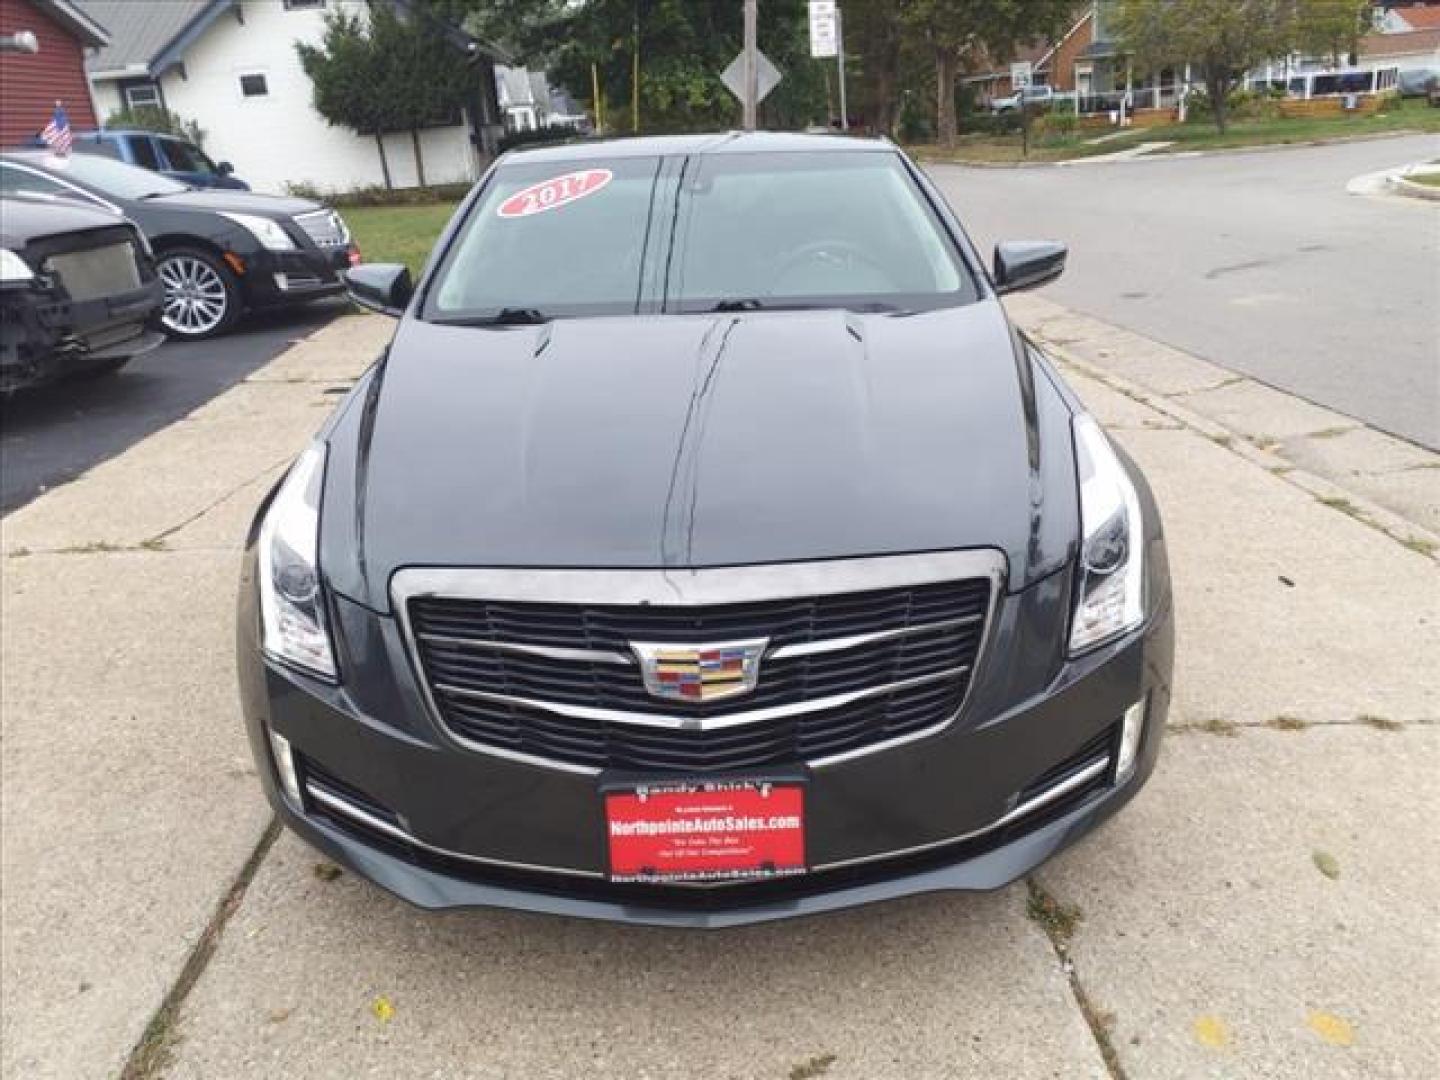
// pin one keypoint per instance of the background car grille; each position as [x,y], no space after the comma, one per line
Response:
[325,228]
[902,684]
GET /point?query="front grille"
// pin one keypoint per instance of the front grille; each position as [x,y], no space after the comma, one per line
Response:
[325,228]
[842,672]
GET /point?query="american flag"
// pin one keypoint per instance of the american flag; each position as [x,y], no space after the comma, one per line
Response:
[57,133]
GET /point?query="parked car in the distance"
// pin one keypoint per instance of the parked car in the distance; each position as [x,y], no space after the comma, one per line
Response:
[1033,97]
[78,291]
[1417,82]
[218,253]
[168,155]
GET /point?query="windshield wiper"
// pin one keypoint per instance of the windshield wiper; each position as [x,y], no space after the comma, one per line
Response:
[509,316]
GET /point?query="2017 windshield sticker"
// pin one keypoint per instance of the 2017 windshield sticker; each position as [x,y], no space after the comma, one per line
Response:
[554,193]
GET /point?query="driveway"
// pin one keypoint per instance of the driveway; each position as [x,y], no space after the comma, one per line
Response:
[55,433]
[1259,262]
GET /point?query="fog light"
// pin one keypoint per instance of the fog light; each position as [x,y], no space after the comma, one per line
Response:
[285,766]
[1131,732]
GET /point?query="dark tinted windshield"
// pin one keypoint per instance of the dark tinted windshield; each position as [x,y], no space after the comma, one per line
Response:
[726,231]
[111,177]
[185,158]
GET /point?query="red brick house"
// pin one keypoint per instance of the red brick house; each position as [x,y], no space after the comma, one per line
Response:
[31,83]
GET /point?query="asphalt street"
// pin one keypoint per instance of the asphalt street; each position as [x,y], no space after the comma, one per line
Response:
[1260,262]
[55,433]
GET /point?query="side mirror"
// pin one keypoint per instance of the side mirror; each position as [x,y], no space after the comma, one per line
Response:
[224,168]
[1024,264]
[382,287]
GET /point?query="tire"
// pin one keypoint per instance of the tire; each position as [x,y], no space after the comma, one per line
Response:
[202,295]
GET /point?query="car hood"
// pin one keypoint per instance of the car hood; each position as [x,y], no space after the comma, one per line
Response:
[686,441]
[275,207]
[26,219]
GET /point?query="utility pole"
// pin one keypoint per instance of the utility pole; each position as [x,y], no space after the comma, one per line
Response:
[752,67]
[840,59]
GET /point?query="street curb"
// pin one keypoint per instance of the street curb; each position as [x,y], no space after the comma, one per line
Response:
[1179,154]
[1407,533]
[1414,190]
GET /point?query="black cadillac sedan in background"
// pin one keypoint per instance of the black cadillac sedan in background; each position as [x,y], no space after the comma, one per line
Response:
[218,253]
[707,547]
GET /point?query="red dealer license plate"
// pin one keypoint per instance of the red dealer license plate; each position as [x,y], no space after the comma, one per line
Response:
[706,830]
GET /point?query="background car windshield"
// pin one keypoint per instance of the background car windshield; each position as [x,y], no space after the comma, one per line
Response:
[810,229]
[113,177]
[576,252]
[185,158]
[830,229]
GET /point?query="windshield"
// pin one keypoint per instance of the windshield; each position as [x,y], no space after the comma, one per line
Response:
[111,177]
[185,158]
[736,231]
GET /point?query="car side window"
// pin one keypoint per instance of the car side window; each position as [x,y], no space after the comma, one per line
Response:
[183,157]
[142,148]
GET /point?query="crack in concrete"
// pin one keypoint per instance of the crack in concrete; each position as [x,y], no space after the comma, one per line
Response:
[173,529]
[1057,923]
[1232,728]
[153,1053]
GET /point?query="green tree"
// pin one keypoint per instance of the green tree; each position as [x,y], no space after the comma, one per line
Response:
[344,72]
[957,31]
[387,73]
[1226,38]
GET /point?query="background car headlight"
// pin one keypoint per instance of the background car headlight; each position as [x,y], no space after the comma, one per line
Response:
[1112,542]
[270,233]
[12,268]
[292,602]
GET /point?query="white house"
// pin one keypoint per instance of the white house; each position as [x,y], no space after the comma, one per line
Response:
[231,66]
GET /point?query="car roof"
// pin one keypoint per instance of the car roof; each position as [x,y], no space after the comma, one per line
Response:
[725,142]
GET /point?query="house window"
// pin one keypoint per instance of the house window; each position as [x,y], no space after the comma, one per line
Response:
[145,95]
[254,85]
[301,5]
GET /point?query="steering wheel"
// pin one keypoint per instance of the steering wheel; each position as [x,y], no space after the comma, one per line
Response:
[833,255]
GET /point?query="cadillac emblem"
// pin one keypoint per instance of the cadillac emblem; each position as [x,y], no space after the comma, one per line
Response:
[700,672]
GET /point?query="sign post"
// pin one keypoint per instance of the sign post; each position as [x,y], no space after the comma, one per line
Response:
[827,39]
[750,99]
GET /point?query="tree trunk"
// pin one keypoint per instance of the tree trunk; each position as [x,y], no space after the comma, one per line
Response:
[1217,85]
[885,111]
[419,158]
[946,128]
[384,164]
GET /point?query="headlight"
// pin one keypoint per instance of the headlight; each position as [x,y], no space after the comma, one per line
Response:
[1111,573]
[13,270]
[292,603]
[268,232]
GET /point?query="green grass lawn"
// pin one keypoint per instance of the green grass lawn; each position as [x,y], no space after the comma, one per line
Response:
[1409,115]
[403,234]
[1428,179]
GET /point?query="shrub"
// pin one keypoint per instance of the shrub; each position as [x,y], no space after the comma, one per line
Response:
[155,118]
[380,196]
[540,136]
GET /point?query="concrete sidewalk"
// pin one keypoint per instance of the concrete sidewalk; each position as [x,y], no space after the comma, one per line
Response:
[1265,908]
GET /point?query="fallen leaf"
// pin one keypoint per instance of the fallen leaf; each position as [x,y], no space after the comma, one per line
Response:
[1331,1028]
[1327,864]
[1211,1031]
[327,871]
[383,1010]
[279,1016]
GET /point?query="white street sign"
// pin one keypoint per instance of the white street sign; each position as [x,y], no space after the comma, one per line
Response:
[1020,74]
[767,76]
[823,35]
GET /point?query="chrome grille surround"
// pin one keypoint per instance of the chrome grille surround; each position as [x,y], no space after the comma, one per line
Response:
[669,590]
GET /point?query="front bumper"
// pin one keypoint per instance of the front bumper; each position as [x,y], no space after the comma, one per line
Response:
[281,278]
[46,336]
[1011,781]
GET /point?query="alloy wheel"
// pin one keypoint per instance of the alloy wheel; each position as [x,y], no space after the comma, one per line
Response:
[196,300]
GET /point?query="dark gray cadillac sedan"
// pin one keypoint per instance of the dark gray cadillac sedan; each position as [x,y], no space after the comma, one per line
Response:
[707,547]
